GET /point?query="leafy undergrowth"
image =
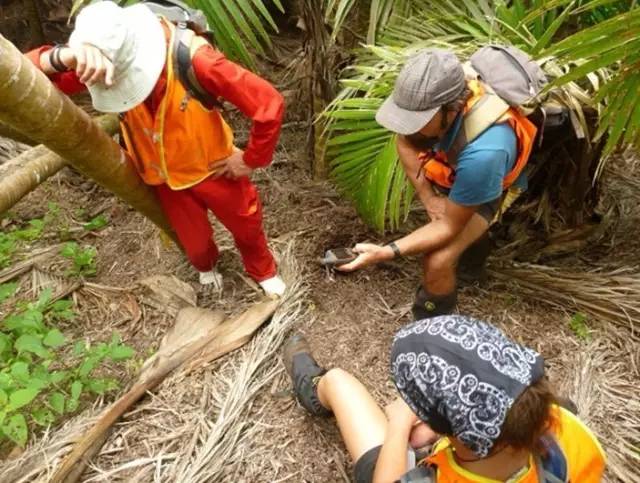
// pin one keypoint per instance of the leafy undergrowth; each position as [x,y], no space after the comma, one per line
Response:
[44,375]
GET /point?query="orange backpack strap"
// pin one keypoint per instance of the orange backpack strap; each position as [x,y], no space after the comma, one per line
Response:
[525,134]
[436,169]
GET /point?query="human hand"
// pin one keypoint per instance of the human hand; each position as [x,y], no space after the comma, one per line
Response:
[368,254]
[234,166]
[400,415]
[422,435]
[90,64]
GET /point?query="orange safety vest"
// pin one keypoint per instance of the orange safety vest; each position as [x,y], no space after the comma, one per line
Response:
[584,455]
[440,169]
[181,145]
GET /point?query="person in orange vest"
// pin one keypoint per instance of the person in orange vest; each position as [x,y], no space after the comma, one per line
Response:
[184,149]
[430,110]
[481,402]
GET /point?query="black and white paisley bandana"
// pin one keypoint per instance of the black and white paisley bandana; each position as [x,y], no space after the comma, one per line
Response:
[461,376]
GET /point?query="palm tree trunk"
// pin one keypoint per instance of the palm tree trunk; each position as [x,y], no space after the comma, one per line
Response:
[23,174]
[321,80]
[34,107]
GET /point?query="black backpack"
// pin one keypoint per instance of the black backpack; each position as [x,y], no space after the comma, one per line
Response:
[191,25]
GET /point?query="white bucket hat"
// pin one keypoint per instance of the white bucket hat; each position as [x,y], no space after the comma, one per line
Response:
[133,39]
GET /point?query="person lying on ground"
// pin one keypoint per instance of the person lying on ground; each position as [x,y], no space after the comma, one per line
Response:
[185,150]
[481,400]
[428,110]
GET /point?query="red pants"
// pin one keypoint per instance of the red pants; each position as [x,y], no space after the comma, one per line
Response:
[237,205]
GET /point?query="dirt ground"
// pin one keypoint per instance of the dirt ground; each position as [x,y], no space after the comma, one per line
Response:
[350,323]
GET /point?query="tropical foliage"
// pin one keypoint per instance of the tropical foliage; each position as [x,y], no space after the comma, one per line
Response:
[238,26]
[363,158]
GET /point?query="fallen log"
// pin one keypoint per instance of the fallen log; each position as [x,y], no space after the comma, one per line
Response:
[24,173]
[196,332]
[32,105]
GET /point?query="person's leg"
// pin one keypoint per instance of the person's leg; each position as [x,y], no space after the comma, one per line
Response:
[438,294]
[361,421]
[237,205]
[188,217]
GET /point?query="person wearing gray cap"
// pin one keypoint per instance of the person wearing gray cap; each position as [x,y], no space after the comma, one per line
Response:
[449,143]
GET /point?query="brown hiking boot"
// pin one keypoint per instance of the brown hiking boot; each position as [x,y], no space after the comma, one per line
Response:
[305,373]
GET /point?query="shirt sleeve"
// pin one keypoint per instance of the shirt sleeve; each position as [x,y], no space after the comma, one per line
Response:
[255,97]
[479,176]
[67,82]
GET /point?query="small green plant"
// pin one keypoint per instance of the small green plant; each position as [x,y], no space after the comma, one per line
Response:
[84,259]
[38,384]
[96,223]
[578,324]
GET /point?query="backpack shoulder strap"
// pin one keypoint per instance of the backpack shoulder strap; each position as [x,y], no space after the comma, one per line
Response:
[483,114]
[552,466]
[185,45]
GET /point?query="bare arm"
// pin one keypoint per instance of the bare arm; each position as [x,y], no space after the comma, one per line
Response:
[409,157]
[427,238]
[392,461]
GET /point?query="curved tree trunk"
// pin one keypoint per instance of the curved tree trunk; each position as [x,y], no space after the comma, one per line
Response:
[24,173]
[34,107]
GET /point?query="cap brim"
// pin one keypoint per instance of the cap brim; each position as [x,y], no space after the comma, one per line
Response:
[135,84]
[403,121]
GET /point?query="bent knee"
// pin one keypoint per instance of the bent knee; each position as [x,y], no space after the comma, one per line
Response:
[440,261]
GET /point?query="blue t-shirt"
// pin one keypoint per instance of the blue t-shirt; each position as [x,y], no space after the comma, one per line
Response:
[483,164]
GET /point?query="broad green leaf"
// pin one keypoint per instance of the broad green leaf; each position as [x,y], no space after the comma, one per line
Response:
[121,352]
[33,344]
[56,401]
[96,223]
[76,389]
[87,366]
[56,377]
[43,417]
[29,321]
[4,399]
[54,338]
[21,398]
[20,371]
[5,342]
[7,290]
[16,429]
[69,250]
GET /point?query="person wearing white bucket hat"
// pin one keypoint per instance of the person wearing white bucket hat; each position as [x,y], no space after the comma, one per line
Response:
[179,144]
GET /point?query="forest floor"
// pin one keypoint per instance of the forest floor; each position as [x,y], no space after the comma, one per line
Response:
[350,322]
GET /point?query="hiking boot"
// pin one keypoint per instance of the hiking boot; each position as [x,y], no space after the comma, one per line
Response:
[305,373]
[472,264]
[428,305]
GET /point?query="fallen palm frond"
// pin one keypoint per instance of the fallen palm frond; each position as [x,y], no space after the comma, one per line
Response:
[219,451]
[602,378]
[36,257]
[37,462]
[610,295]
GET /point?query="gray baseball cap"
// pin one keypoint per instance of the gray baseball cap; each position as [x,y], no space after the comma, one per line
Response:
[429,79]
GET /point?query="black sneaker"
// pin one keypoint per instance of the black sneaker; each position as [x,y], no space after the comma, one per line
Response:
[305,373]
